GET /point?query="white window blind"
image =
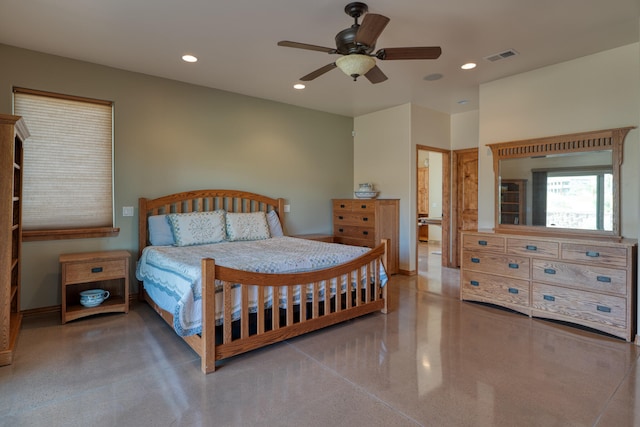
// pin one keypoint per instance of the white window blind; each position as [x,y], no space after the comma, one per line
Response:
[68,161]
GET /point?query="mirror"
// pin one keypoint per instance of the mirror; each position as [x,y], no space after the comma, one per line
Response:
[561,184]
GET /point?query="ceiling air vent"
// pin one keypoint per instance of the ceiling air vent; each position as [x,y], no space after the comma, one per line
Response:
[502,55]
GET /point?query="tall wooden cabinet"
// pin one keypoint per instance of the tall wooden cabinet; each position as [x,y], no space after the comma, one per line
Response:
[13,132]
[365,222]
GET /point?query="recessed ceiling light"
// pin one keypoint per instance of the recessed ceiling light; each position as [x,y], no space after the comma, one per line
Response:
[468,66]
[299,86]
[189,58]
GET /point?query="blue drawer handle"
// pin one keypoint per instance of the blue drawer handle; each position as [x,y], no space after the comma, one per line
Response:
[475,260]
[513,265]
[603,308]
[592,254]
[475,283]
[513,291]
[549,297]
[482,242]
[531,248]
[549,271]
[604,279]
[96,270]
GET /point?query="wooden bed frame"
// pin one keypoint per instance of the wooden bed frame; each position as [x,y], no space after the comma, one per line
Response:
[309,317]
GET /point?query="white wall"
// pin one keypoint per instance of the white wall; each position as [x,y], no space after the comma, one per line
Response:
[435,193]
[599,91]
[464,130]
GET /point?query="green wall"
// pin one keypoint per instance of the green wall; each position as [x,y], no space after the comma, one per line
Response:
[171,136]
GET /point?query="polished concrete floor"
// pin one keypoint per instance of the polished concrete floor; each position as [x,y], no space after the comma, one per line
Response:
[433,361]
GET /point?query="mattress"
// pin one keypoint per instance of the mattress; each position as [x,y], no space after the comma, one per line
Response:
[172,275]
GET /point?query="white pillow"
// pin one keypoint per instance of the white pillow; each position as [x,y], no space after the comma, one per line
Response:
[247,226]
[198,228]
[160,233]
[275,228]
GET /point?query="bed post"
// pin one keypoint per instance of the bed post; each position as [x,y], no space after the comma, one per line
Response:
[385,294]
[208,356]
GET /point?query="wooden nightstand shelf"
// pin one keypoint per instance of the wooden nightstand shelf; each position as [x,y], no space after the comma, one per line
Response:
[108,270]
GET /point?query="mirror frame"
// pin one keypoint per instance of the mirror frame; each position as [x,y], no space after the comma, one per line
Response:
[608,139]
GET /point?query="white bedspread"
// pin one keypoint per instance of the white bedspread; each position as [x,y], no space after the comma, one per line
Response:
[172,275]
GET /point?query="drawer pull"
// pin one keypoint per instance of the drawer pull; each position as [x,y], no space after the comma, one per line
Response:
[475,260]
[603,308]
[96,270]
[513,265]
[482,242]
[366,233]
[341,230]
[592,254]
[340,217]
[474,283]
[363,206]
[513,291]
[531,248]
[549,297]
[365,219]
[342,206]
[549,271]
[604,279]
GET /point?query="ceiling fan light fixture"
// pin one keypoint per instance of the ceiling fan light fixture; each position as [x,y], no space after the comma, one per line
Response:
[355,65]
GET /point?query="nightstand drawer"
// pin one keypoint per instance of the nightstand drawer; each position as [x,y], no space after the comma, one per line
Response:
[89,271]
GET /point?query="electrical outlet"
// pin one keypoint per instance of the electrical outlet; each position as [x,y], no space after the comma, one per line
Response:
[127,211]
[287,208]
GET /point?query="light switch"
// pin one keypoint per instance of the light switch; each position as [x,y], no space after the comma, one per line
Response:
[127,211]
[287,208]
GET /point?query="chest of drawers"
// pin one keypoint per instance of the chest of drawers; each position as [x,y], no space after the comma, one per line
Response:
[590,283]
[366,222]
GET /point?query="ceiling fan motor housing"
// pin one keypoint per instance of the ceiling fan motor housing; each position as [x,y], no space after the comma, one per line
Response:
[346,42]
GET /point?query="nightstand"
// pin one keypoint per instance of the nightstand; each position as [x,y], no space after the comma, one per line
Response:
[108,270]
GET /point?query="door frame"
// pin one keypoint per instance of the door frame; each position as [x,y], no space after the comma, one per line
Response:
[446,203]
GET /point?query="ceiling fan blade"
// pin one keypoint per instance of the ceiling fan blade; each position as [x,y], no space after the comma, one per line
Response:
[317,73]
[371,28]
[391,53]
[375,75]
[297,45]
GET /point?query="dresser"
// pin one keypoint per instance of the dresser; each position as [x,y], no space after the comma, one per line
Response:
[365,222]
[582,281]
[13,132]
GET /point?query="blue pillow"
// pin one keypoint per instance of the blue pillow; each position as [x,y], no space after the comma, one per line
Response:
[160,233]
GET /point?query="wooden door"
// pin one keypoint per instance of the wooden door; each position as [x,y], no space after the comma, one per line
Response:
[465,197]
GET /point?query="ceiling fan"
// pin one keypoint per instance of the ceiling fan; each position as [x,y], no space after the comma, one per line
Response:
[356,45]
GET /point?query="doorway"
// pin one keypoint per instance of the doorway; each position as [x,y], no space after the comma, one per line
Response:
[433,207]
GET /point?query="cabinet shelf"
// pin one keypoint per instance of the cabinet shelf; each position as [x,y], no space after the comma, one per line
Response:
[513,201]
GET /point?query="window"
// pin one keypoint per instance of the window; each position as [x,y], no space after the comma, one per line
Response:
[574,198]
[68,166]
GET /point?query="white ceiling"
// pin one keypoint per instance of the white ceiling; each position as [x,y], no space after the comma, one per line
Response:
[235,41]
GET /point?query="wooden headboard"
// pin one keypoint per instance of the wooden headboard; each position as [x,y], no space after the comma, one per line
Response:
[203,201]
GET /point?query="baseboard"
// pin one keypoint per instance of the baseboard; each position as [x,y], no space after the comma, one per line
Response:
[407,272]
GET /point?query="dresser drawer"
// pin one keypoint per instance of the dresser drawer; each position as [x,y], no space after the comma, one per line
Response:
[494,289]
[536,248]
[580,305]
[354,218]
[483,242]
[506,265]
[354,241]
[605,255]
[362,233]
[342,205]
[95,271]
[593,278]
